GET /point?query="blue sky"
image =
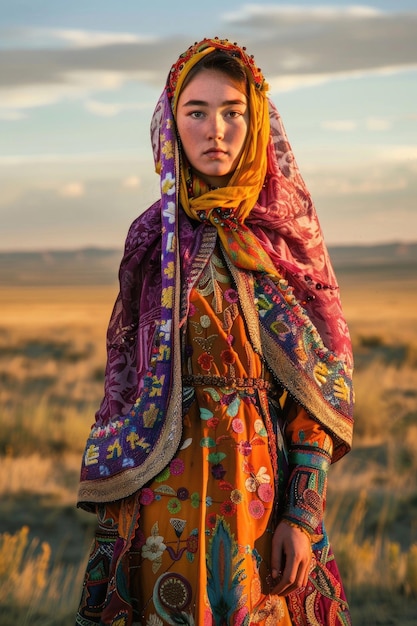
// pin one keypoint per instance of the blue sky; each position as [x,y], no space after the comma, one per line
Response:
[79,81]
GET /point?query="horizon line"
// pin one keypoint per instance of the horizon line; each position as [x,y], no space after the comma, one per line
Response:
[104,248]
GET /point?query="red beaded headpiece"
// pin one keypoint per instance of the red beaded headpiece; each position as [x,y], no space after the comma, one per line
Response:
[220,44]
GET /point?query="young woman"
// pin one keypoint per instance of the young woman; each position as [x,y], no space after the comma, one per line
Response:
[228,382]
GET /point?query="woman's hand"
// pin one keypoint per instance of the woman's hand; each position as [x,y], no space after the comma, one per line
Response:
[290,559]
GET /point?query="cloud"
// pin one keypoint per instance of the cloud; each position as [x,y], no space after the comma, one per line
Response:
[9,115]
[53,65]
[296,45]
[373,124]
[342,185]
[308,40]
[290,14]
[375,179]
[399,154]
[77,86]
[378,124]
[100,216]
[72,190]
[111,109]
[90,39]
[368,203]
[340,125]
[288,82]
[42,38]
[131,182]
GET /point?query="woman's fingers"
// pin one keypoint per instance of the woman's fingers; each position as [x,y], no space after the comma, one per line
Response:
[290,559]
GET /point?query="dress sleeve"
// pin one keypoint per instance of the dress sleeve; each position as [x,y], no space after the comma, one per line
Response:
[310,451]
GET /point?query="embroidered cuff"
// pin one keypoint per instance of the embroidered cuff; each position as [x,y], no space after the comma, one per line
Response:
[306,491]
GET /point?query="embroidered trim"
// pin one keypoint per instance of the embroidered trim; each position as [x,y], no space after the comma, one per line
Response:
[208,242]
[316,458]
[306,496]
[225,381]
[245,289]
[304,530]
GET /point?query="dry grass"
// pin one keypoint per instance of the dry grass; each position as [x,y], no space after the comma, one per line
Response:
[37,475]
[52,352]
[34,590]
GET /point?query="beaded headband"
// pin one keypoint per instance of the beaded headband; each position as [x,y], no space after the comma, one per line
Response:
[219,44]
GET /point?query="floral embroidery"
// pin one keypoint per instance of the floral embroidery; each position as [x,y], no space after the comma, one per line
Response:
[236,496]
[231,399]
[147,496]
[168,184]
[218,471]
[205,361]
[205,321]
[211,520]
[213,422]
[228,508]
[174,505]
[167,296]
[195,500]
[177,467]
[244,447]
[163,475]
[238,425]
[256,509]
[253,482]
[167,149]
[183,493]
[266,493]
[154,545]
[169,270]
[153,620]
[231,295]
[228,357]
[272,612]
[192,542]
[260,429]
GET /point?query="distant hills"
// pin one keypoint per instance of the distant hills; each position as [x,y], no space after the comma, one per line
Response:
[87,266]
[96,266]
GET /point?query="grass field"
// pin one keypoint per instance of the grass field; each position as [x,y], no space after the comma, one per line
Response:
[52,352]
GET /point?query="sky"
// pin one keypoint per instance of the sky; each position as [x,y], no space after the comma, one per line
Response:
[79,82]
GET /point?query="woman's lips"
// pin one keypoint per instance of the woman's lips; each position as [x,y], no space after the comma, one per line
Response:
[214,152]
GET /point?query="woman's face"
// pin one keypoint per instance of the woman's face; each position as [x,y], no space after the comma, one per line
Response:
[212,122]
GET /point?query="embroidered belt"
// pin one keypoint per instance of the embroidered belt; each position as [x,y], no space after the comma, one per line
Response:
[225,381]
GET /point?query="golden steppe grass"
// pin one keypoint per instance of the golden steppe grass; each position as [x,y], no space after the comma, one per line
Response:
[52,354]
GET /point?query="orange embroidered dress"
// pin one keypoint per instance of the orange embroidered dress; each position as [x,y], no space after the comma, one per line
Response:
[206,519]
[206,522]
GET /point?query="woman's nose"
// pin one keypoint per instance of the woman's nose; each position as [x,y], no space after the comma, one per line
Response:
[216,127]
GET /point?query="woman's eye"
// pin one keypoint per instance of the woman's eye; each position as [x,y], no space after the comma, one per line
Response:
[197,114]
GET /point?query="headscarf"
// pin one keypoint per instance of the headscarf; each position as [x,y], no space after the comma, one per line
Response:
[266,223]
[232,204]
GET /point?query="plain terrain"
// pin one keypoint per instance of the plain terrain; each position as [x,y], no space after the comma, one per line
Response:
[52,350]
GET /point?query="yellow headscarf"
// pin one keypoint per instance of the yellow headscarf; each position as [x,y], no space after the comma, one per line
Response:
[228,207]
